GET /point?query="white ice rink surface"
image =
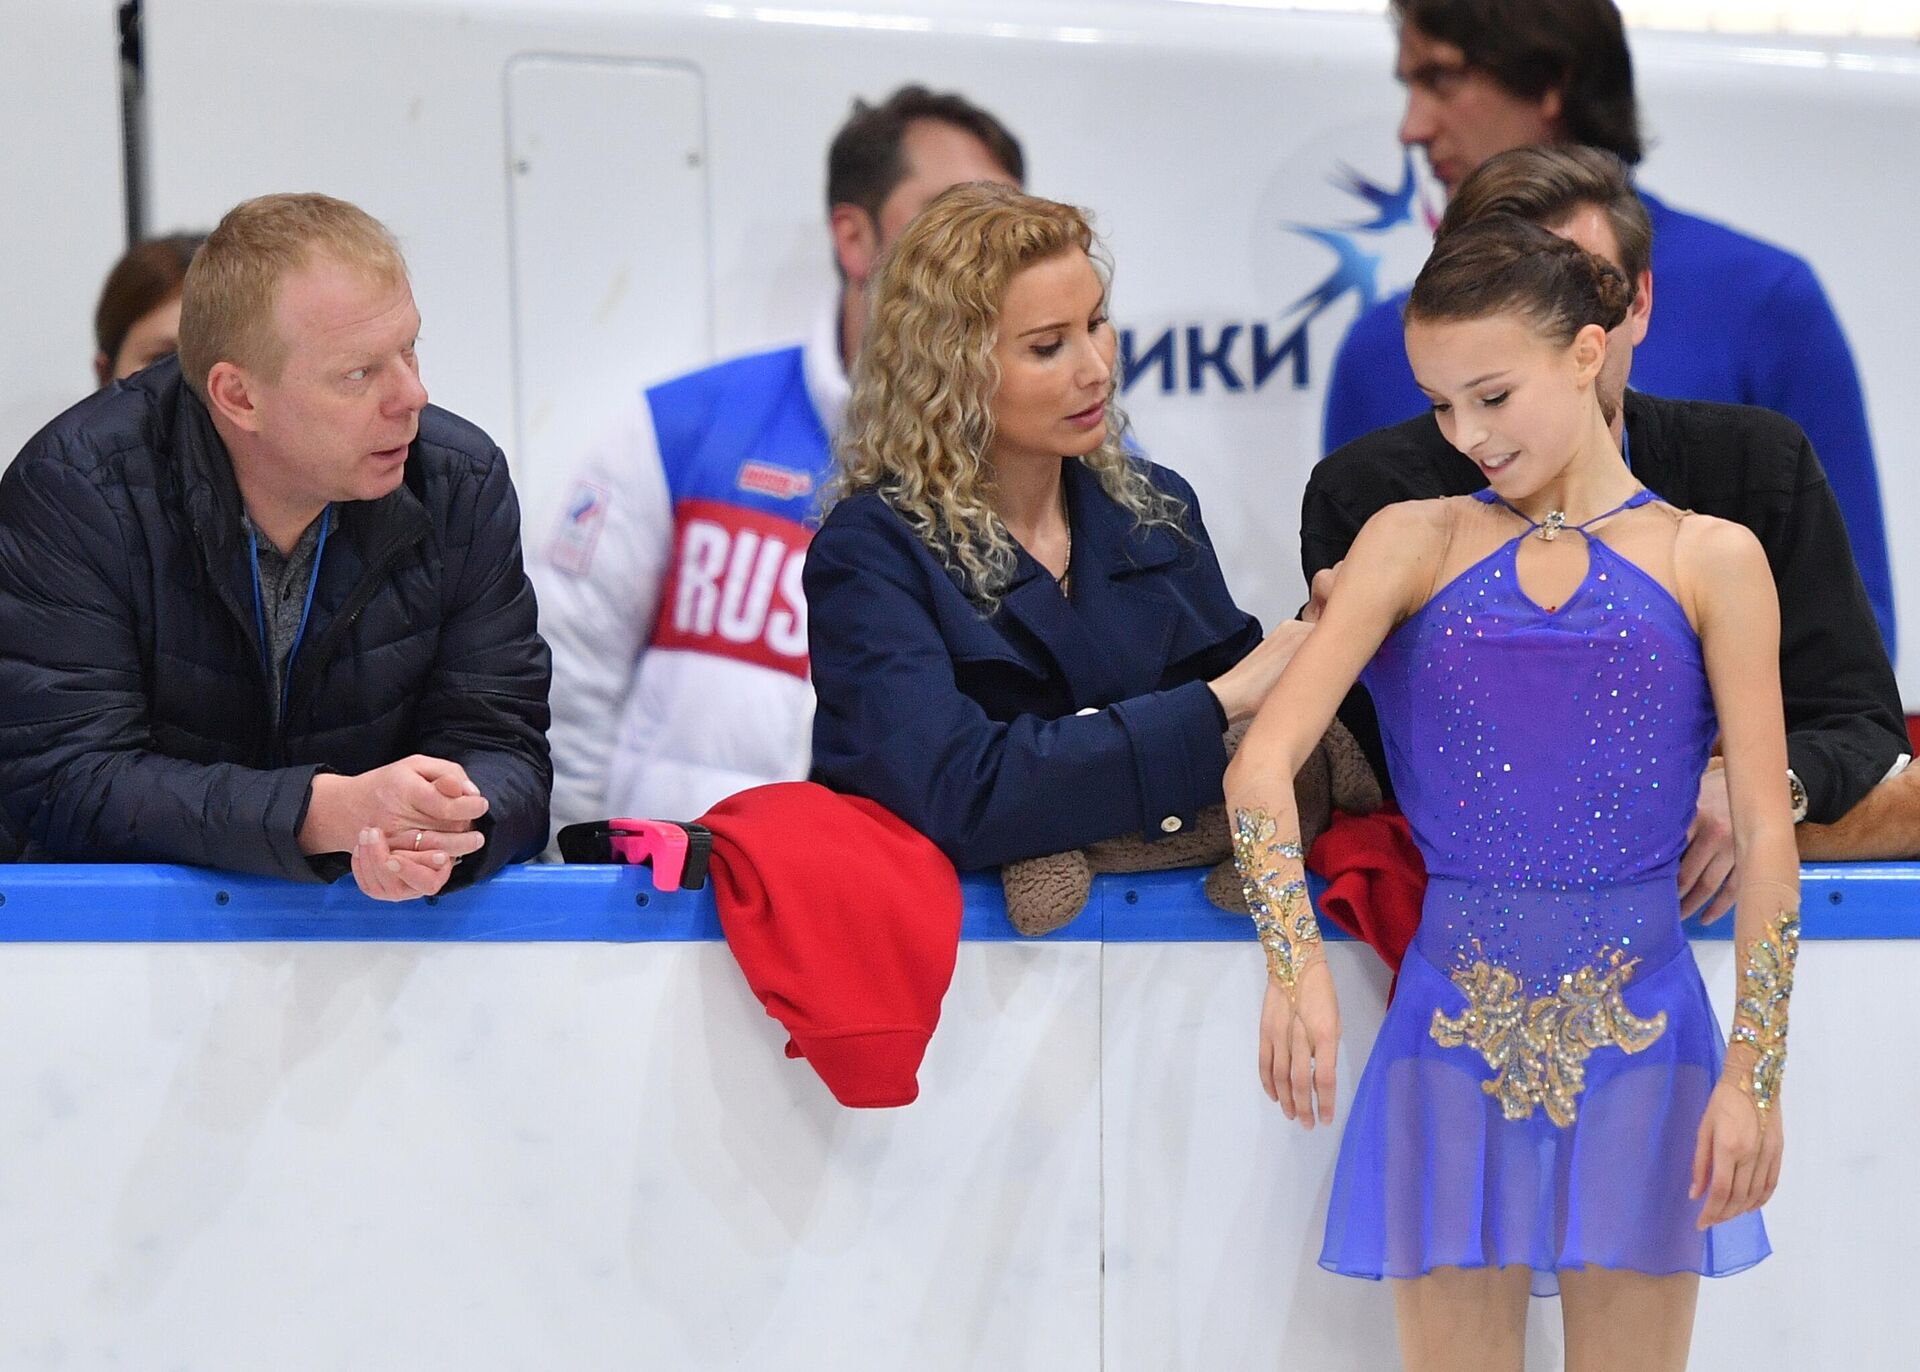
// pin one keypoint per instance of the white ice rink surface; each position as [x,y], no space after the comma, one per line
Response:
[299,1156]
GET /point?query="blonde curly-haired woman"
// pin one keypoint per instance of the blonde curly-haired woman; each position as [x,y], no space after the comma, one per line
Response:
[1021,640]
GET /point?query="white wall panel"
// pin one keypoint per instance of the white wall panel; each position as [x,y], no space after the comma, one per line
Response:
[592,1156]
[607,168]
[532,1157]
[63,212]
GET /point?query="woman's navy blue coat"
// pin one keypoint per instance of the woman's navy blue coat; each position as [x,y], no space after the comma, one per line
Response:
[1049,724]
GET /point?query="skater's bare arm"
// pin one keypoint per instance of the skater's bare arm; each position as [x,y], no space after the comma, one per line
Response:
[1724,577]
[1392,564]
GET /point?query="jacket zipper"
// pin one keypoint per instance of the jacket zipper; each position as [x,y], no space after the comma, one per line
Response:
[305,668]
[248,630]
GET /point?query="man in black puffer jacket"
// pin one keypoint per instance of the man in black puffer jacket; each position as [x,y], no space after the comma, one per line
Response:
[262,608]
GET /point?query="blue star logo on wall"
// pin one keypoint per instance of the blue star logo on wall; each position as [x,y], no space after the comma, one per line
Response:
[1235,356]
[1390,208]
[1356,270]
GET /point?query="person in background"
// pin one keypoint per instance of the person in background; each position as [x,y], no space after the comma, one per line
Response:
[1021,639]
[1740,320]
[1852,793]
[138,319]
[261,606]
[670,590]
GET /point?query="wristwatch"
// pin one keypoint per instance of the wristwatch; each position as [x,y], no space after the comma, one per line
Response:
[1797,793]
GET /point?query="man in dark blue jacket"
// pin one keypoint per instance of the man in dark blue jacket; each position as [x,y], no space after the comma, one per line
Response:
[262,608]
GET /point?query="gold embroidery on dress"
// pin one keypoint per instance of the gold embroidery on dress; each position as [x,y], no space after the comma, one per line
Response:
[1539,1046]
[1760,1011]
[1281,912]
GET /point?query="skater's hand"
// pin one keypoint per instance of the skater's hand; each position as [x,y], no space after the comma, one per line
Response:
[1736,1162]
[1707,875]
[1299,1043]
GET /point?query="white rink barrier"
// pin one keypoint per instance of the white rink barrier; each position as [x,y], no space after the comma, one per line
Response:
[540,1125]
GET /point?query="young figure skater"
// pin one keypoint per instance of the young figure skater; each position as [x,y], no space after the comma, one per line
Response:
[1546,1105]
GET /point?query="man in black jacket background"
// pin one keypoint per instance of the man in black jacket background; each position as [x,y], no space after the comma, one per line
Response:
[262,608]
[1846,740]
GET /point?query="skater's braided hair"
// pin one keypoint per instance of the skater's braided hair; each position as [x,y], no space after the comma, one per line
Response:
[1507,265]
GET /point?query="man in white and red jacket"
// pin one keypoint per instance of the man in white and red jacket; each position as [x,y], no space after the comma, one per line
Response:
[670,590]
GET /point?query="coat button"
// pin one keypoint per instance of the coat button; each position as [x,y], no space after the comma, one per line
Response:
[1170,825]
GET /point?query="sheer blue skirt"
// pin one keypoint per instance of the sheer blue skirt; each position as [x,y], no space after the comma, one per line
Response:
[1431,1173]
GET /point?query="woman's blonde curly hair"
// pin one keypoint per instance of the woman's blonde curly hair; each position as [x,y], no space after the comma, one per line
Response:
[920,423]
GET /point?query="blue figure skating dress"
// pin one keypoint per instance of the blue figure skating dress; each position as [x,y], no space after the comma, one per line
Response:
[1535,1093]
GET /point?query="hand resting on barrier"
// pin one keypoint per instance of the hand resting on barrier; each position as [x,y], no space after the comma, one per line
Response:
[387,873]
[405,824]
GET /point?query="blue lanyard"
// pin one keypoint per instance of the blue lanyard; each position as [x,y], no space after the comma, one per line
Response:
[260,611]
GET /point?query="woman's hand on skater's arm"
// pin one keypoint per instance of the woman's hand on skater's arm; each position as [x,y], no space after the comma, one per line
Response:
[1242,687]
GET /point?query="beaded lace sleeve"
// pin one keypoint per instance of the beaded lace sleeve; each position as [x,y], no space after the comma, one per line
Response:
[1760,1007]
[1273,875]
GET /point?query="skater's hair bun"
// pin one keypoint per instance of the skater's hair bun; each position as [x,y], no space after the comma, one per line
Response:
[1507,265]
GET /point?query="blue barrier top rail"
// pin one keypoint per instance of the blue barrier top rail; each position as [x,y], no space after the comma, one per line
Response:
[153,904]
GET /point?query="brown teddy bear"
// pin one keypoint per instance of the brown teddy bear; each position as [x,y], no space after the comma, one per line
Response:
[1044,893]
